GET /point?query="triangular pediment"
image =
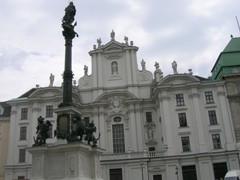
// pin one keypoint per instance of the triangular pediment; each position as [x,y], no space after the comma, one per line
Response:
[178,79]
[113,46]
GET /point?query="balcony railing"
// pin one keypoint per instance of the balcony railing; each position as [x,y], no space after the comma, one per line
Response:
[131,155]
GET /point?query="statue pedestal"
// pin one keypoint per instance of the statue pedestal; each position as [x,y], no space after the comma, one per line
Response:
[64,120]
[76,161]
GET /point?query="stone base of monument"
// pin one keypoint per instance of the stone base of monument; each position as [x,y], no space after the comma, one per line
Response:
[76,161]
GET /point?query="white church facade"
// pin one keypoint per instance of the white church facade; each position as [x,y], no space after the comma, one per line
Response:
[152,127]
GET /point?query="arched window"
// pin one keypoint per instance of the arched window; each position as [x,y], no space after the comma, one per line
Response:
[117,119]
[118,137]
[114,66]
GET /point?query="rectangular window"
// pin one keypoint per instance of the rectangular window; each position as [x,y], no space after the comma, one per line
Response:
[186,144]
[87,119]
[179,99]
[23,133]
[157,177]
[212,117]
[209,97]
[24,113]
[115,174]
[22,155]
[189,172]
[220,170]
[21,177]
[118,138]
[149,116]
[49,111]
[182,119]
[216,141]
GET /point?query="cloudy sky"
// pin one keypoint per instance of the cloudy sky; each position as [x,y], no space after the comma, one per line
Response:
[192,33]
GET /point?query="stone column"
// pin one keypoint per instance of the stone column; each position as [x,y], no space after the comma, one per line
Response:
[139,126]
[164,98]
[133,134]
[134,66]
[12,139]
[99,70]
[102,128]
[226,119]
[94,70]
[128,59]
[198,120]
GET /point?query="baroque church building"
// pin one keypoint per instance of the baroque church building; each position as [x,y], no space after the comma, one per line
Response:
[152,127]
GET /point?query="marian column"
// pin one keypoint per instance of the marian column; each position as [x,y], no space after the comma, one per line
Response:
[66,110]
[69,34]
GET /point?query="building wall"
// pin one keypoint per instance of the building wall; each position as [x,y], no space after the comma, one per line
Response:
[233,92]
[4,135]
[151,147]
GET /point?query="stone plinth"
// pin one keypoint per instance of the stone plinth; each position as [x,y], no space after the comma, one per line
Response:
[76,161]
[64,120]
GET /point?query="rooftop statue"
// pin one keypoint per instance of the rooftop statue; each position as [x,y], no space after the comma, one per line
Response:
[85,70]
[112,35]
[174,66]
[143,63]
[43,129]
[51,78]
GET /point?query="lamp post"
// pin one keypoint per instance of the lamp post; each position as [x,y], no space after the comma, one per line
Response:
[176,171]
[142,170]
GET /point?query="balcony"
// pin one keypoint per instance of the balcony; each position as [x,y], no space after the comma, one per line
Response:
[131,155]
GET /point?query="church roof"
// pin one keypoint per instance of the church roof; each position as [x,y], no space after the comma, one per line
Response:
[228,62]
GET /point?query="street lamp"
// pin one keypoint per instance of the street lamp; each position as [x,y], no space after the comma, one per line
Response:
[176,171]
[142,170]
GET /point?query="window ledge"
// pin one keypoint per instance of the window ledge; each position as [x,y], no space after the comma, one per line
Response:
[181,108]
[213,105]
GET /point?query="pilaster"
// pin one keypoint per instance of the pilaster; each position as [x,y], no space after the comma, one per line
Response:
[133,134]
[128,63]
[164,98]
[226,119]
[198,121]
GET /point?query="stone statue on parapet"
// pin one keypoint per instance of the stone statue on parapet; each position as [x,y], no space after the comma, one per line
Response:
[99,42]
[51,78]
[67,21]
[112,35]
[126,39]
[174,66]
[43,130]
[158,74]
[85,70]
[143,63]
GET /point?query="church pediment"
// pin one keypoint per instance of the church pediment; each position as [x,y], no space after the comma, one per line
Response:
[113,46]
[178,79]
[46,93]
[107,95]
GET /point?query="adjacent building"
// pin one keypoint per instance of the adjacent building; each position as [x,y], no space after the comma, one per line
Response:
[5,110]
[227,68]
[153,127]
